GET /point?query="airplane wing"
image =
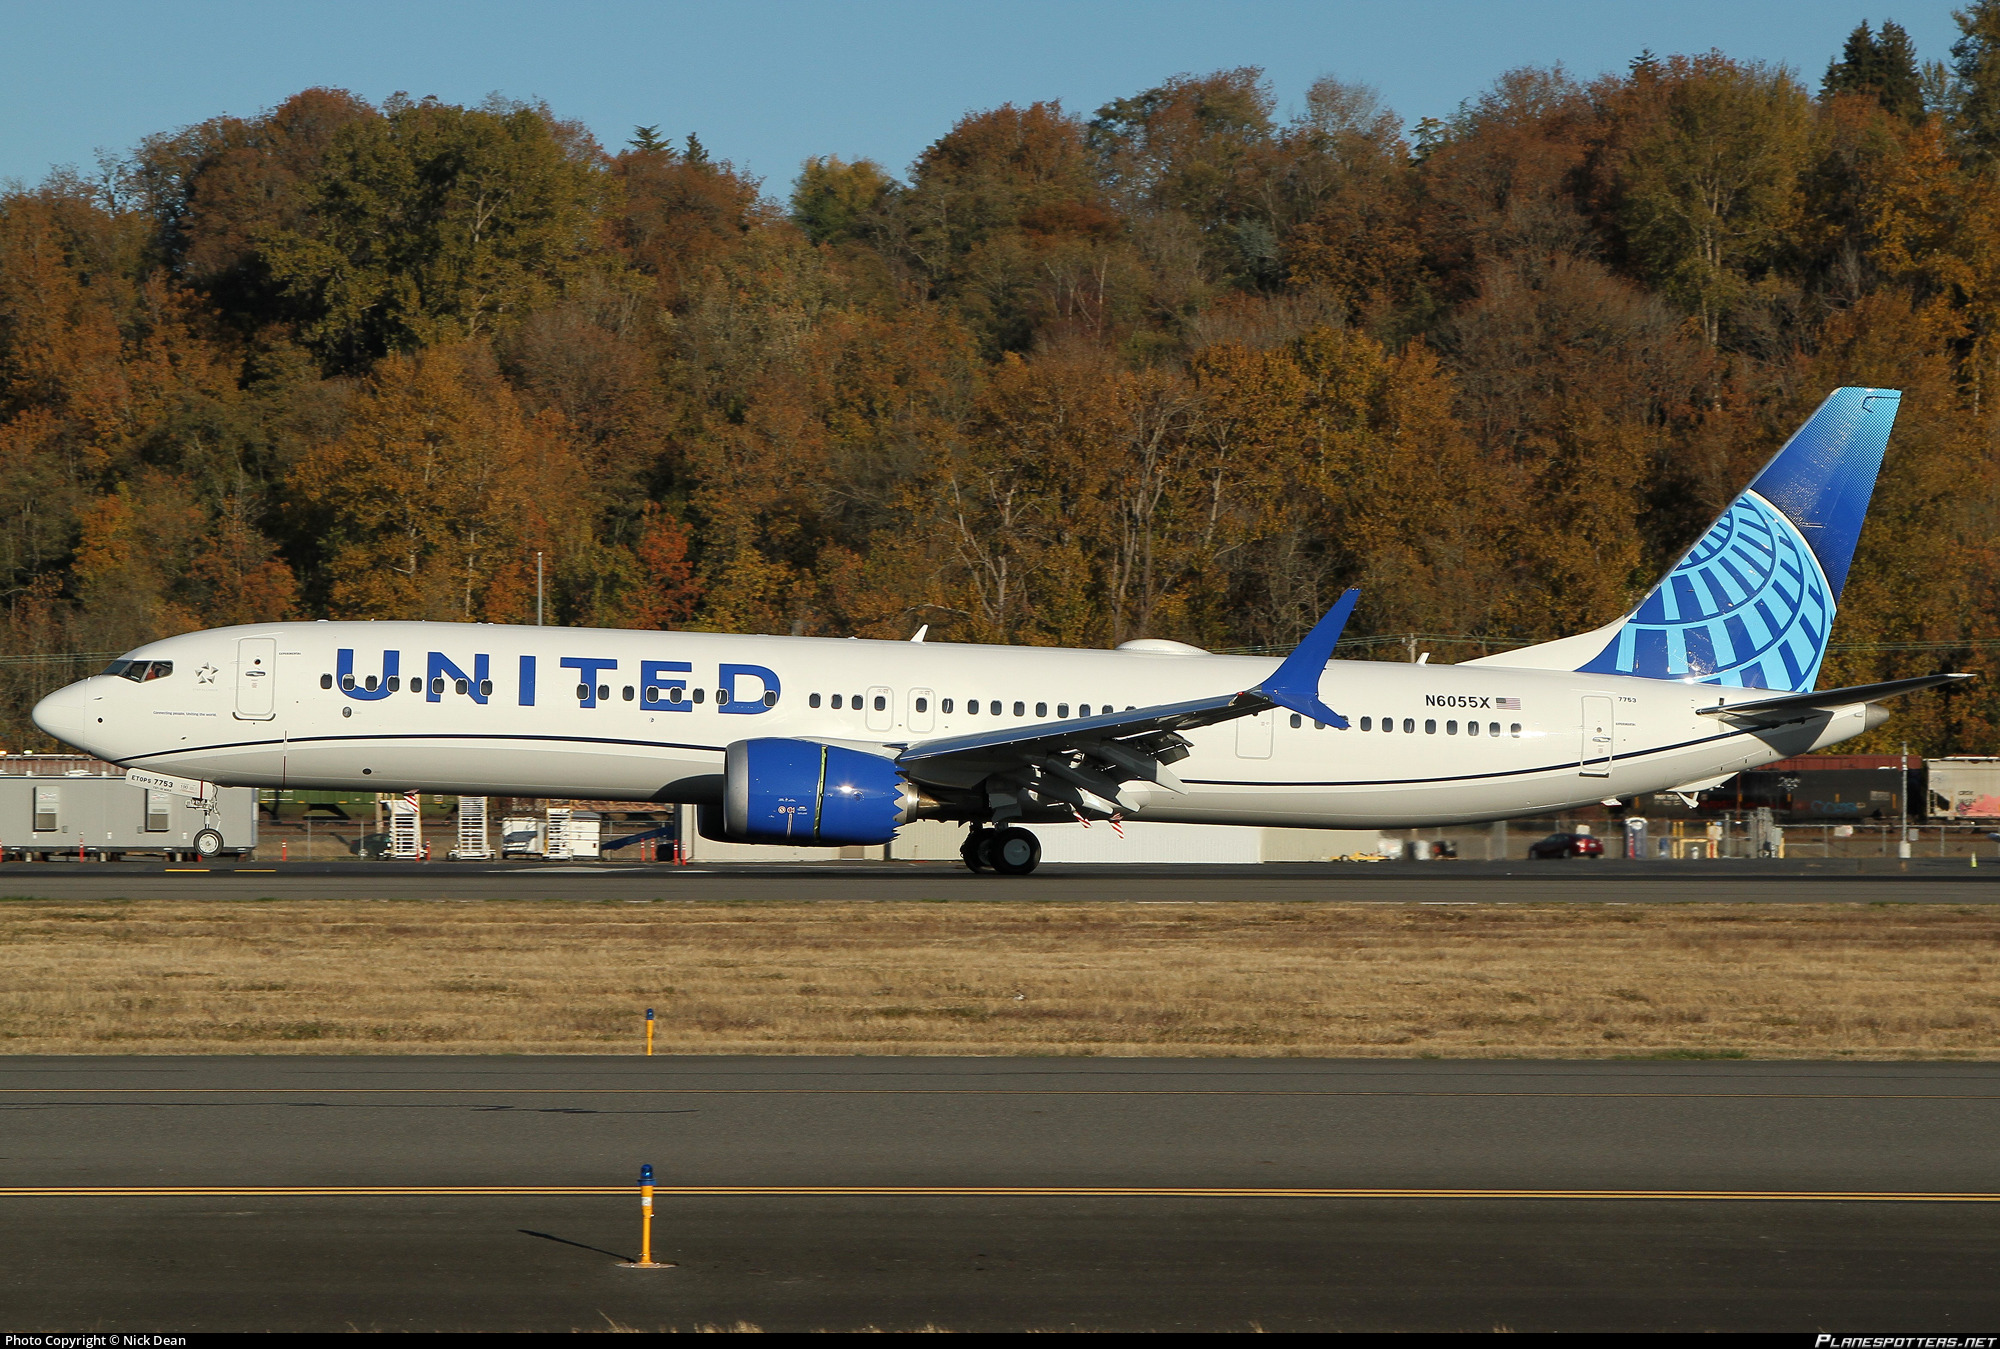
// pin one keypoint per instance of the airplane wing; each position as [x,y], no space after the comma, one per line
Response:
[1086,762]
[1791,704]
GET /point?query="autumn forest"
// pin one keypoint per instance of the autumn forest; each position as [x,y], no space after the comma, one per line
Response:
[1185,365]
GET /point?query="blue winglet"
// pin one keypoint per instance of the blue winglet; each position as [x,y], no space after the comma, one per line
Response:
[1295,684]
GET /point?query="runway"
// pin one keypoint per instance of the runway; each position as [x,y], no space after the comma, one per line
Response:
[1860,881]
[1009,1194]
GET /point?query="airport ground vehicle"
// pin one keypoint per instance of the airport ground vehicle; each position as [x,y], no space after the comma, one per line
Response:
[102,817]
[1567,845]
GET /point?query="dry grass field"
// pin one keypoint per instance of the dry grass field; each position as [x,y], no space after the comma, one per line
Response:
[1004,978]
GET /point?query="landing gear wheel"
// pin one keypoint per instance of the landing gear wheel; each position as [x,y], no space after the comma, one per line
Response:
[207,843]
[1014,852]
[972,851]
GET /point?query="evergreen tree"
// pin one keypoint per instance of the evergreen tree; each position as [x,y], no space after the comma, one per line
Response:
[1975,65]
[1882,66]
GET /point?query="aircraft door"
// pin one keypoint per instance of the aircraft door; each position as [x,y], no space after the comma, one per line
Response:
[1253,736]
[256,678]
[1594,758]
[923,710]
[881,709]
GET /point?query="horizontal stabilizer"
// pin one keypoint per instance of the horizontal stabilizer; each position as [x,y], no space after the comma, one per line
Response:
[1827,699]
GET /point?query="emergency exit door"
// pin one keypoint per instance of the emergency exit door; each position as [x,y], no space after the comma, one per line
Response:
[1594,758]
[1253,736]
[256,678]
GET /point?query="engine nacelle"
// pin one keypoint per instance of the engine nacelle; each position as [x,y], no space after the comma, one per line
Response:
[811,795]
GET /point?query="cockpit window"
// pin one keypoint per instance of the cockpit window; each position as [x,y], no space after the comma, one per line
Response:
[140,671]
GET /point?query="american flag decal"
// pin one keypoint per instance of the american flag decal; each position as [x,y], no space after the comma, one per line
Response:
[1507,704]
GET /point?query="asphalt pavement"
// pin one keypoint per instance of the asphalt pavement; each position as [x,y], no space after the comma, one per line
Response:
[1011,1194]
[1861,880]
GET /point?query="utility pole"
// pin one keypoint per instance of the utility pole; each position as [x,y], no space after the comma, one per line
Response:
[538,590]
[1903,837]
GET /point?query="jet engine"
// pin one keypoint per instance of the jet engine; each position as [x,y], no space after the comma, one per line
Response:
[810,794]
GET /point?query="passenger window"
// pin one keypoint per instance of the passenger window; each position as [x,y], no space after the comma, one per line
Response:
[1368,723]
[1020,709]
[1430,727]
[1388,723]
[486,688]
[395,684]
[812,700]
[972,707]
[1297,721]
[1319,726]
[700,694]
[1515,730]
[675,694]
[1472,728]
[854,701]
[630,693]
[947,706]
[1451,728]
[461,687]
[653,695]
[326,681]
[770,698]
[583,693]
[1410,725]
[1493,728]
[1083,710]
[347,682]
[923,704]
[881,703]
[722,697]
[1062,709]
[836,702]
[437,686]
[1041,709]
[368,683]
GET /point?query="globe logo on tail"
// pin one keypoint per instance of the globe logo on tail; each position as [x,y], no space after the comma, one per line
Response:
[1749,606]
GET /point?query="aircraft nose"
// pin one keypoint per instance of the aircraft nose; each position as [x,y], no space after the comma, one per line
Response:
[66,714]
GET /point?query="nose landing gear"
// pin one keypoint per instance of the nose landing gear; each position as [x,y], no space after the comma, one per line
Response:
[1011,852]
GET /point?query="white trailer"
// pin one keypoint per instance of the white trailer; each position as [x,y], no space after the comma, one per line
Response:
[1966,788]
[100,815]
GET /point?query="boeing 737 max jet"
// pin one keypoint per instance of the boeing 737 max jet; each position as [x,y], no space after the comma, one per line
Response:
[828,742]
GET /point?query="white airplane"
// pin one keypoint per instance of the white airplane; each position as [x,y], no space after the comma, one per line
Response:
[833,742]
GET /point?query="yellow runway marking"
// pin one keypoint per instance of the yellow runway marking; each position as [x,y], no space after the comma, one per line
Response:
[983,1091]
[973,1191]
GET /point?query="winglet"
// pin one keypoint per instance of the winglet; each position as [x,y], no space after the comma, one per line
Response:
[1295,684]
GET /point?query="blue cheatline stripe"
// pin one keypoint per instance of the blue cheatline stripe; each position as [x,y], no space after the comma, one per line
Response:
[1559,766]
[431,735]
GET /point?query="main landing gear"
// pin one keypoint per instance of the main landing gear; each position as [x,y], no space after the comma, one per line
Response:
[1011,852]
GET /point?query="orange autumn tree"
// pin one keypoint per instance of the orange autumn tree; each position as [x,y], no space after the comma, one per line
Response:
[433,501]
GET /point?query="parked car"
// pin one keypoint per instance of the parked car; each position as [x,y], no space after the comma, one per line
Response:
[1567,845]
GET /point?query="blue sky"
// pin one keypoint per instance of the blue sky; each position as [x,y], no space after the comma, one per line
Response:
[768,82]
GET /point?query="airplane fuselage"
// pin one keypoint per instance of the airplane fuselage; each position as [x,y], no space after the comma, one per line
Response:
[481,709]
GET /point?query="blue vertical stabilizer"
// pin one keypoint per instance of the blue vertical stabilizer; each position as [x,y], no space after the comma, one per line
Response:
[1751,605]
